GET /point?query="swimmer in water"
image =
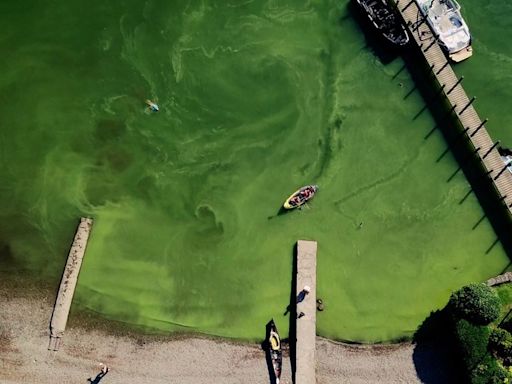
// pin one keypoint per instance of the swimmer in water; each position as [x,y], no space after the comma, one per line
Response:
[152,106]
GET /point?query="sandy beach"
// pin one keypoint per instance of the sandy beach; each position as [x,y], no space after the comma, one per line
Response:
[141,359]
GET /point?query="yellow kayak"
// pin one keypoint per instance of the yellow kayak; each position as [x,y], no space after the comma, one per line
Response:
[300,197]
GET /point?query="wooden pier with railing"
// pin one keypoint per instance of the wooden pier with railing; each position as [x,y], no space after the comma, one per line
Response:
[460,104]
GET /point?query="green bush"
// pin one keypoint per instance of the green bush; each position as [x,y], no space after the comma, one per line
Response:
[472,343]
[489,371]
[476,303]
[500,342]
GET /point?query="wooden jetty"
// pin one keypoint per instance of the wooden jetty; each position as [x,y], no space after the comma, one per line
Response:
[68,283]
[305,368]
[460,105]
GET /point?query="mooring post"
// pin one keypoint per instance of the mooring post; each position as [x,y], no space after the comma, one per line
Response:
[461,134]
[467,105]
[418,24]
[443,67]
[408,5]
[454,85]
[451,111]
[438,93]
[502,170]
[430,45]
[480,126]
[490,149]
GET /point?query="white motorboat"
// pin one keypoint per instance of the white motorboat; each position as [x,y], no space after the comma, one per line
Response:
[445,19]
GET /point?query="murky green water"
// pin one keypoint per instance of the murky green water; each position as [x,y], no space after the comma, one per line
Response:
[257,98]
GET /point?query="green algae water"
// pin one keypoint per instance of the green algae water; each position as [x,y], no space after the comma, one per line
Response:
[256,99]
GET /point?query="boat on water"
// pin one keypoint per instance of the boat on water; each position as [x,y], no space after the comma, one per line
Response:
[300,197]
[507,160]
[385,20]
[274,349]
[449,27]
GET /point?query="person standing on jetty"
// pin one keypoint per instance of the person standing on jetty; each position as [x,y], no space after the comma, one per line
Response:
[302,295]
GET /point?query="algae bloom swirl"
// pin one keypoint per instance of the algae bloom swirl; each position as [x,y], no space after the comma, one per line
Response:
[256,99]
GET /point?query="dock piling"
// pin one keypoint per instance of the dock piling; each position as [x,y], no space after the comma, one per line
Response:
[443,67]
[479,127]
[490,149]
[467,105]
[455,85]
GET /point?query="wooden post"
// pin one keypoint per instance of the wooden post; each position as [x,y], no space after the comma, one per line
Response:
[468,104]
[490,149]
[408,5]
[438,93]
[454,85]
[443,67]
[451,110]
[502,170]
[430,45]
[480,126]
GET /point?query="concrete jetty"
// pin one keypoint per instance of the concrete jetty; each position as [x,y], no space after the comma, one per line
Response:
[68,283]
[500,279]
[305,368]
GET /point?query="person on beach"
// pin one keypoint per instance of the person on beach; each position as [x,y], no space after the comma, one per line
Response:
[104,369]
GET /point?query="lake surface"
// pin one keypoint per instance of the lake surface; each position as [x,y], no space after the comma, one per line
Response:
[256,99]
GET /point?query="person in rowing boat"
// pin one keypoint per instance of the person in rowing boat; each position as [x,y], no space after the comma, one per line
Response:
[296,200]
[306,193]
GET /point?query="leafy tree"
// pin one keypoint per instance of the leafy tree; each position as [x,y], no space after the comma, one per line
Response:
[476,303]
[472,343]
[489,371]
[500,342]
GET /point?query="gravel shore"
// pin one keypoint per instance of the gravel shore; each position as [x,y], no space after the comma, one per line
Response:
[24,357]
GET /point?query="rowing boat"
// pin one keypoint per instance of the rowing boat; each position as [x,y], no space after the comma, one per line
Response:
[300,197]
[274,348]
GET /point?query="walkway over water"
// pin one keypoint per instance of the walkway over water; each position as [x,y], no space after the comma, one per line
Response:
[305,372]
[68,283]
[460,104]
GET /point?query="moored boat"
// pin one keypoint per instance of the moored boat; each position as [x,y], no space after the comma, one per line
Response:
[449,27]
[274,348]
[385,20]
[300,196]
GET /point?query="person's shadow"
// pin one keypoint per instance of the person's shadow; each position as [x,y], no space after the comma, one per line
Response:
[97,379]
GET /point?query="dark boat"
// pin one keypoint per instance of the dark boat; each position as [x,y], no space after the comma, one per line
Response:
[274,350]
[385,20]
